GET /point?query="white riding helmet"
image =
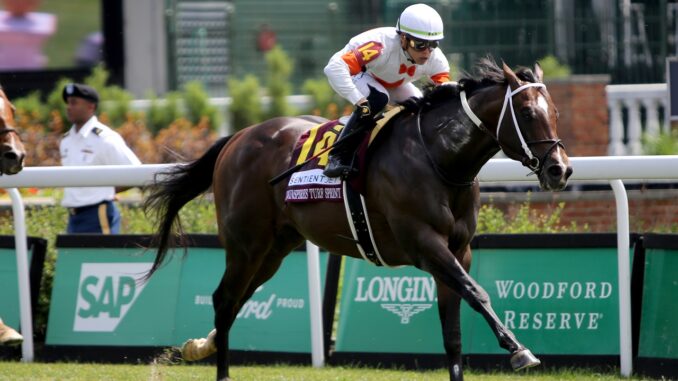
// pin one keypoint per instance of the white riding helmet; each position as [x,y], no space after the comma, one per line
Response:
[422,22]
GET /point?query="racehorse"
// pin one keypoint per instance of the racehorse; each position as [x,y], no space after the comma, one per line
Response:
[421,193]
[12,151]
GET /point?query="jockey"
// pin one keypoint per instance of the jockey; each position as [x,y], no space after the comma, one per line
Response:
[378,66]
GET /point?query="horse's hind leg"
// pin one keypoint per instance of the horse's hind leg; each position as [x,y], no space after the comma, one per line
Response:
[244,274]
[285,241]
[245,252]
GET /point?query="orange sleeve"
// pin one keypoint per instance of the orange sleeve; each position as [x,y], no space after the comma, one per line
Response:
[440,78]
[351,60]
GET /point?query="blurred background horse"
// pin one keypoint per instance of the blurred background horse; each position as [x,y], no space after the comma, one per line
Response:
[12,151]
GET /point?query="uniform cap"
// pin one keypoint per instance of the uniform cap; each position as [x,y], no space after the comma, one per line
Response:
[80,91]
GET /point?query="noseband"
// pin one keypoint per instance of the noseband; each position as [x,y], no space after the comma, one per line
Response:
[529,159]
[7,130]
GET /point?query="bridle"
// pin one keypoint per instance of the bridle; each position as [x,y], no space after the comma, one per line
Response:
[6,130]
[529,159]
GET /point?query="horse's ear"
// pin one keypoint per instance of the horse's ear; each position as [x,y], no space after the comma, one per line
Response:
[510,75]
[538,72]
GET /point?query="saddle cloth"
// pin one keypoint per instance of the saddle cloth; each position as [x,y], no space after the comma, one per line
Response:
[309,184]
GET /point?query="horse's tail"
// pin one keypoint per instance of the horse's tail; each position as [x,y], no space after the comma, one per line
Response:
[178,186]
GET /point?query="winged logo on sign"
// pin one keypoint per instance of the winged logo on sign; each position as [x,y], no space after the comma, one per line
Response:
[405,311]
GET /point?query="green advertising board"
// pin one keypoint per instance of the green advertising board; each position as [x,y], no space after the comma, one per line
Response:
[98,298]
[658,329]
[387,310]
[9,306]
[557,293]
[9,281]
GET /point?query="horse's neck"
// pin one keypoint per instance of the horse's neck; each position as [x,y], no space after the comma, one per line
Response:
[457,146]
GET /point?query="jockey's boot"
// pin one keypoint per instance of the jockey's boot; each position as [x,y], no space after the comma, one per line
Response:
[341,160]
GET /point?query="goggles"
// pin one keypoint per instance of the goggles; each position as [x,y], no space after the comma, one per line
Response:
[421,45]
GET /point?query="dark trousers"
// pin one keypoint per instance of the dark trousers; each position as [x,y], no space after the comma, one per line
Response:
[102,218]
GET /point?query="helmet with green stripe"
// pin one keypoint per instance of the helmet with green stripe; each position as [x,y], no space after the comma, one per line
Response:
[422,22]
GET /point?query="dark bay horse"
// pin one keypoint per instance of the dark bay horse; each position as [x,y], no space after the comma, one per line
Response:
[12,151]
[422,196]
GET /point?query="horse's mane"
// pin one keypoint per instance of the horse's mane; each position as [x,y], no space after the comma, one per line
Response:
[487,73]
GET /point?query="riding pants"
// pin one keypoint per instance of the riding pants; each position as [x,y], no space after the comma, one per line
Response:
[366,83]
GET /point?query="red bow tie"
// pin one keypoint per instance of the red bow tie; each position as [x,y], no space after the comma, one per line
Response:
[409,70]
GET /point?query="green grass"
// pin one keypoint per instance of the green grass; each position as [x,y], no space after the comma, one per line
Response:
[73,372]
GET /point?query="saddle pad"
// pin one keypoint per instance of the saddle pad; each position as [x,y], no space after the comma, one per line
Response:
[309,184]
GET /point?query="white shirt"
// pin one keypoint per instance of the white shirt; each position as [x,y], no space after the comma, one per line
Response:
[94,144]
[380,53]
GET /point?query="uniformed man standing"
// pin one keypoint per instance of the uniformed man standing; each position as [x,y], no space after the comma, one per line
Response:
[89,142]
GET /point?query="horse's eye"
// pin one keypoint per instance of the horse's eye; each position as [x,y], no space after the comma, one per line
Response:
[527,113]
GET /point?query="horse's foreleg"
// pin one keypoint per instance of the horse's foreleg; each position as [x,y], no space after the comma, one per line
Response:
[444,266]
[448,310]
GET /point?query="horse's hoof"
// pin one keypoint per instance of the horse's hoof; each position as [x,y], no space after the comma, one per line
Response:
[524,359]
[190,349]
[198,349]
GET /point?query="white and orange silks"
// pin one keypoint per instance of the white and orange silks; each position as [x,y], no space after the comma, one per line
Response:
[376,57]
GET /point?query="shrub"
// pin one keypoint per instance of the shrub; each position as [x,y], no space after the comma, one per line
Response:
[198,105]
[326,102]
[664,144]
[553,68]
[160,114]
[525,220]
[279,68]
[33,108]
[246,105]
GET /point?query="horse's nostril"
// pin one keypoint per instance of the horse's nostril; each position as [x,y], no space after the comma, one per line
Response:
[555,171]
[10,155]
[568,172]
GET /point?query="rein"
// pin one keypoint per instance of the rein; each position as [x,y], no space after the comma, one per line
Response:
[531,161]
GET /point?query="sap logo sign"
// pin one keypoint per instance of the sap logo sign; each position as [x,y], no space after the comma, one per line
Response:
[106,292]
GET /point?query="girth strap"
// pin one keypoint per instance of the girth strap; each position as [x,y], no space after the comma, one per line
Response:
[358,221]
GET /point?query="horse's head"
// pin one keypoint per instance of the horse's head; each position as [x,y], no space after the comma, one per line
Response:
[517,111]
[526,128]
[12,151]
